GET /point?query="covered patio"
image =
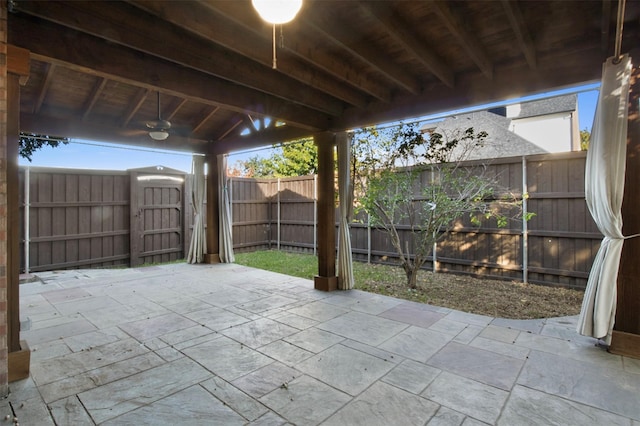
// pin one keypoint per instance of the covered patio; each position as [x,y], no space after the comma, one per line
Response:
[163,345]
[128,345]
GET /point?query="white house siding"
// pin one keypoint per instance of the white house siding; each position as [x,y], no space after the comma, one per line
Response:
[553,133]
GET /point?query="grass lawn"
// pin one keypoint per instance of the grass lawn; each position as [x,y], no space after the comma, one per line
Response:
[497,298]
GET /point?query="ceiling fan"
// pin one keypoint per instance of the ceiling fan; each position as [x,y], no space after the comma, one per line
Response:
[158,129]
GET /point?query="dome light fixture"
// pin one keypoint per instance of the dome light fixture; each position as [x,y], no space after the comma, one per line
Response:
[159,135]
[277,12]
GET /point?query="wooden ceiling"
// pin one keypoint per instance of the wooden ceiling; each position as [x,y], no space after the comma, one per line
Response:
[96,67]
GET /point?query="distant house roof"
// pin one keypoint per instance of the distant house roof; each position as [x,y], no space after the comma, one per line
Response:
[565,103]
[500,142]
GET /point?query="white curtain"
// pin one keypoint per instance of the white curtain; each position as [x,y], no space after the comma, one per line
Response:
[198,246]
[604,188]
[224,203]
[345,261]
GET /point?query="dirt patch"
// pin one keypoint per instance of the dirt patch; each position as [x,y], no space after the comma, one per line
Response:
[496,298]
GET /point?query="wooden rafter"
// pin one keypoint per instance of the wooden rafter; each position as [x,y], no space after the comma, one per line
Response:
[366,52]
[470,43]
[75,50]
[399,30]
[157,38]
[46,83]
[309,51]
[227,131]
[232,36]
[93,97]
[203,120]
[514,15]
[173,109]
[257,139]
[605,26]
[134,106]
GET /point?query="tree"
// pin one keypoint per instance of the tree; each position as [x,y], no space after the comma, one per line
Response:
[417,189]
[585,138]
[31,142]
[298,158]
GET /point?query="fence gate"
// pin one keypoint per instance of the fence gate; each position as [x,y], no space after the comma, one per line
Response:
[157,207]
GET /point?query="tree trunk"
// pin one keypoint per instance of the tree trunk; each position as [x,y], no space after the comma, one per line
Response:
[412,277]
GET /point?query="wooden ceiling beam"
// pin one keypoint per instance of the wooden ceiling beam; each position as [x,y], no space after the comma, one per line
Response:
[577,65]
[605,25]
[173,109]
[227,131]
[203,120]
[46,83]
[340,34]
[300,46]
[86,54]
[469,42]
[93,97]
[265,137]
[104,132]
[134,106]
[400,30]
[205,22]
[519,26]
[129,26]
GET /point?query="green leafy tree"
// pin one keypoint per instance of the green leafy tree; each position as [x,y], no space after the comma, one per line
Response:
[585,138]
[293,159]
[31,142]
[416,189]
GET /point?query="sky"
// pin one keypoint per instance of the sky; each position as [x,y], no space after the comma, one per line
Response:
[80,154]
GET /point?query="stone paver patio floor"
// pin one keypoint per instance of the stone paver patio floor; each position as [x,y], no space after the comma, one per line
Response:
[225,345]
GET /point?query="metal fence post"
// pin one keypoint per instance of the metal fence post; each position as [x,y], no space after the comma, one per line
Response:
[278,216]
[525,229]
[27,203]
[315,214]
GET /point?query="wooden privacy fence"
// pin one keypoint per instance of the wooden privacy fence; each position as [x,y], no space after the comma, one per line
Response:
[93,218]
[555,247]
[90,219]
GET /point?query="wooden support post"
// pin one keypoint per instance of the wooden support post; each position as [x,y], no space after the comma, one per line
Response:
[626,333]
[213,214]
[326,279]
[17,74]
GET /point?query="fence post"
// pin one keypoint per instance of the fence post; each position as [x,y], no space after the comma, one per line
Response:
[368,238]
[278,215]
[315,214]
[27,203]
[525,229]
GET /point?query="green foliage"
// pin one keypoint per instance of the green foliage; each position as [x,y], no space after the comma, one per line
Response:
[293,159]
[418,185]
[585,138]
[31,142]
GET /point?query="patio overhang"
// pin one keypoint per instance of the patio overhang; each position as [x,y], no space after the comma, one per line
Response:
[95,70]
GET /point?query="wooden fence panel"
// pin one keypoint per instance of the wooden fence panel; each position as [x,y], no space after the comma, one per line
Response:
[251,214]
[76,218]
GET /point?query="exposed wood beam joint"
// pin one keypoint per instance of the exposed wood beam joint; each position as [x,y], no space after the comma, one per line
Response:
[514,15]
[470,43]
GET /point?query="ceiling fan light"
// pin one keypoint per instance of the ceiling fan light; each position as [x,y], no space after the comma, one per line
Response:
[159,135]
[277,11]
